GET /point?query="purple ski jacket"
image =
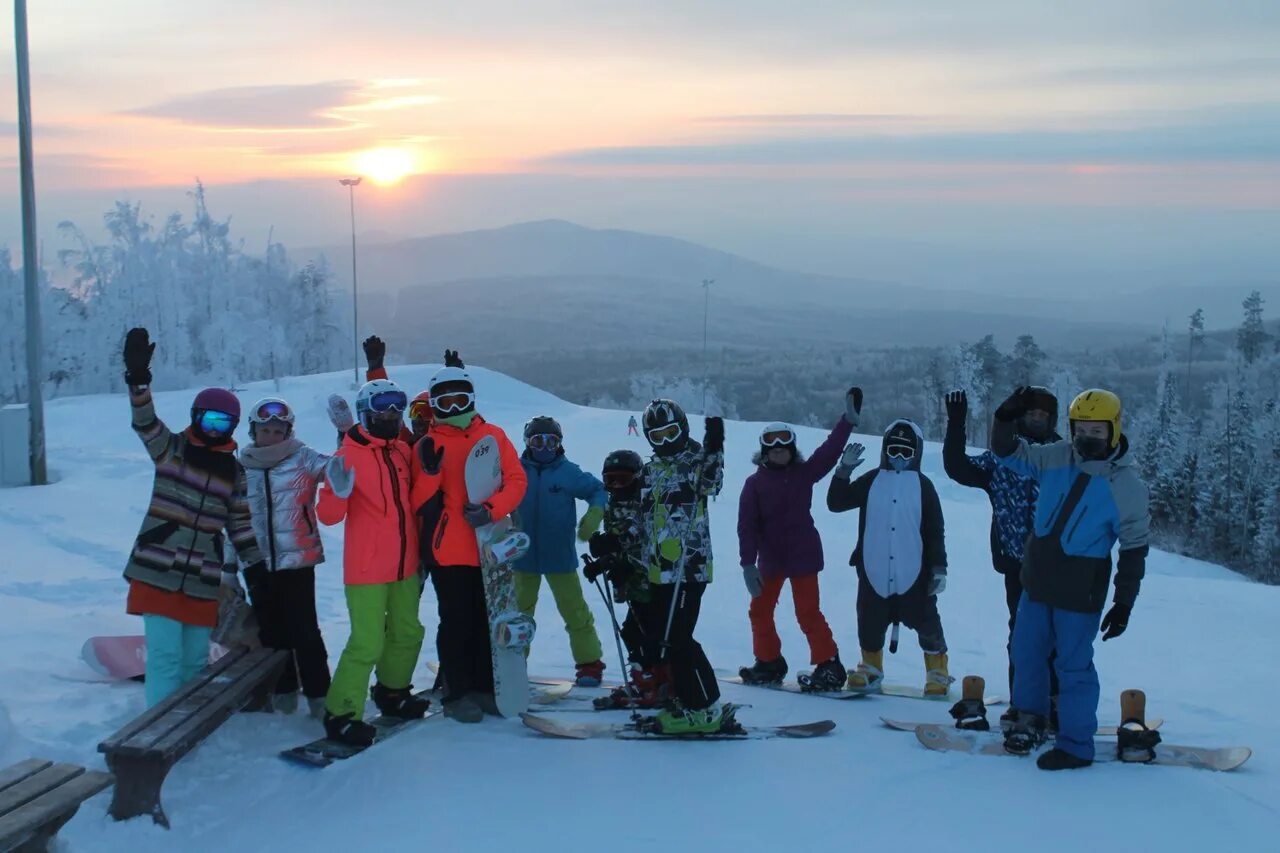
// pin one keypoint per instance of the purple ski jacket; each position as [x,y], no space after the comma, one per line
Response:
[775,521]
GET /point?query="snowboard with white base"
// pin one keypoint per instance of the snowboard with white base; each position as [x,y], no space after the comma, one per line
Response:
[1103,731]
[641,728]
[500,544]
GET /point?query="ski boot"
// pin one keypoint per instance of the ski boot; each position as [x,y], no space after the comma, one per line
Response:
[764,671]
[1135,742]
[590,674]
[869,676]
[648,689]
[827,677]
[1060,759]
[676,719]
[971,712]
[938,681]
[399,702]
[1025,733]
[347,729]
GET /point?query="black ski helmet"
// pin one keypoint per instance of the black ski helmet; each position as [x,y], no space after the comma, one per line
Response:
[543,425]
[662,414]
[623,460]
[620,474]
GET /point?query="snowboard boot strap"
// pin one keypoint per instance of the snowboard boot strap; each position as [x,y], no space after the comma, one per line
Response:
[971,714]
[1136,743]
[1026,732]
[399,702]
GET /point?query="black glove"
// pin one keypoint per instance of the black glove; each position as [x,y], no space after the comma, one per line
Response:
[713,439]
[429,456]
[255,581]
[1116,620]
[957,406]
[451,359]
[605,545]
[477,515]
[375,351]
[593,568]
[137,357]
[1016,405]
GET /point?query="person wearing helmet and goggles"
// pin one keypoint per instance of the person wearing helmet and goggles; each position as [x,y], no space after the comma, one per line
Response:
[1091,499]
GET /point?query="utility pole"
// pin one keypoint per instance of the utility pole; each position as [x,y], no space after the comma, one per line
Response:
[351,184]
[706,312]
[30,256]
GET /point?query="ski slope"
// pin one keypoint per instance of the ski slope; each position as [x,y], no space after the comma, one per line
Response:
[1202,643]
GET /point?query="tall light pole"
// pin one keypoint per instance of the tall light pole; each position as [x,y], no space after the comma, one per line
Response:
[706,312]
[351,184]
[30,256]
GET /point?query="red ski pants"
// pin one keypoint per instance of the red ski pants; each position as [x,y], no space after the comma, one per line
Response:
[804,593]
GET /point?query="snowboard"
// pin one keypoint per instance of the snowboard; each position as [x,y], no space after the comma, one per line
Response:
[322,752]
[794,687]
[630,731]
[948,739]
[125,657]
[1103,731]
[906,691]
[540,692]
[501,544]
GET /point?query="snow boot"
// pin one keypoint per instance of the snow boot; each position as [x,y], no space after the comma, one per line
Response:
[399,702]
[486,702]
[1060,759]
[764,672]
[971,712]
[464,710]
[285,703]
[1025,733]
[869,676]
[1007,718]
[315,707]
[676,719]
[827,677]
[347,729]
[937,684]
[590,674]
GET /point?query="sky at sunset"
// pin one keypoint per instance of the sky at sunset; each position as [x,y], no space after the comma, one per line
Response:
[793,132]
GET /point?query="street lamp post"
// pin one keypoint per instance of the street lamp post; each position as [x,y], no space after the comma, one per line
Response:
[351,184]
[706,312]
[30,256]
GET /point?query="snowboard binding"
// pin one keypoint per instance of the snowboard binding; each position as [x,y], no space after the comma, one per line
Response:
[1025,734]
[764,672]
[1135,742]
[970,712]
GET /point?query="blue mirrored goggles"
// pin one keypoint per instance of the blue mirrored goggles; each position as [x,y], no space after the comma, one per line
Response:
[388,401]
[216,423]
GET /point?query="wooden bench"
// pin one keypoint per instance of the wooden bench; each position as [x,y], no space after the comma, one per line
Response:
[142,753]
[37,797]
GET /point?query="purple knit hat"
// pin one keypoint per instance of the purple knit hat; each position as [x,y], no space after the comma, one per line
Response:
[218,400]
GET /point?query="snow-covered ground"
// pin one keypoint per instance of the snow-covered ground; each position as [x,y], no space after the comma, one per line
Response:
[1202,643]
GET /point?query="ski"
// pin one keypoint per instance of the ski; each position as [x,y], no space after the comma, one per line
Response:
[903,726]
[632,731]
[948,739]
[323,751]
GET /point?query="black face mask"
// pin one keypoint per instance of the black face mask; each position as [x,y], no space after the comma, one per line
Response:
[383,428]
[1089,447]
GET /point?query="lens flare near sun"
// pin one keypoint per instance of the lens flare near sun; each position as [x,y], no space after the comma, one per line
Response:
[386,166]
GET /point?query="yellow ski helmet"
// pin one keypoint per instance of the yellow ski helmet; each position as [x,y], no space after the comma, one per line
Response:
[1098,405]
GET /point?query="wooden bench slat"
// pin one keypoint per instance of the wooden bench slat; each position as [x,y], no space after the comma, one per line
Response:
[165,705]
[22,822]
[198,724]
[17,772]
[35,785]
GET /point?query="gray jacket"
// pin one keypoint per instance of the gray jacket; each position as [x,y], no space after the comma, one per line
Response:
[282,481]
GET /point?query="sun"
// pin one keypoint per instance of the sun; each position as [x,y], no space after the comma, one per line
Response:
[386,166]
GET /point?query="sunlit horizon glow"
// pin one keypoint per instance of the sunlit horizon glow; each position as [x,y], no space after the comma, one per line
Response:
[386,166]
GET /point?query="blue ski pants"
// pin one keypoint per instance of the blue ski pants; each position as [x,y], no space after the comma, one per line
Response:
[175,654]
[1041,630]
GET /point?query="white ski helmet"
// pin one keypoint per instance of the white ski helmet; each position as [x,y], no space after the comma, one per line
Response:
[379,396]
[452,392]
[271,409]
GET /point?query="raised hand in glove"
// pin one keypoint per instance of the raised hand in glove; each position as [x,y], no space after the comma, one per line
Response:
[477,515]
[851,457]
[853,405]
[1116,621]
[341,478]
[713,440]
[375,351]
[957,405]
[451,359]
[137,357]
[1016,404]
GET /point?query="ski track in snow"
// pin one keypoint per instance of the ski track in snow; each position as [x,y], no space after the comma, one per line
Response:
[1201,643]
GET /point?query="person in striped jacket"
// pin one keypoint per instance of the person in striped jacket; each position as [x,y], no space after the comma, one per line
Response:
[198,497]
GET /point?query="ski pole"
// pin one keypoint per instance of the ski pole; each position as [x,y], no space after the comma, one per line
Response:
[617,634]
[680,569]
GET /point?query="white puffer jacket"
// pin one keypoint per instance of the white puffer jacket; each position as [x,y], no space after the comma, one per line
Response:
[282,481]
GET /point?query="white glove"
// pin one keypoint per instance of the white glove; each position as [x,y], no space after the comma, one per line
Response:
[852,456]
[341,478]
[340,413]
[751,577]
[938,582]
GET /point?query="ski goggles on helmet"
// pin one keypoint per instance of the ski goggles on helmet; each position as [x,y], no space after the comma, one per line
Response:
[659,436]
[420,410]
[273,410]
[216,423]
[388,401]
[777,437]
[452,402]
[900,451]
[616,481]
[543,441]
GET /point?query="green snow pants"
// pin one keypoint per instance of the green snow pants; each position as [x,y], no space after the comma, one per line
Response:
[385,634]
[578,621]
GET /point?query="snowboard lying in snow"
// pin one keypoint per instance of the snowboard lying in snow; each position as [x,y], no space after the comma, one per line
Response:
[900,691]
[322,752]
[1103,731]
[637,729]
[948,739]
[125,657]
